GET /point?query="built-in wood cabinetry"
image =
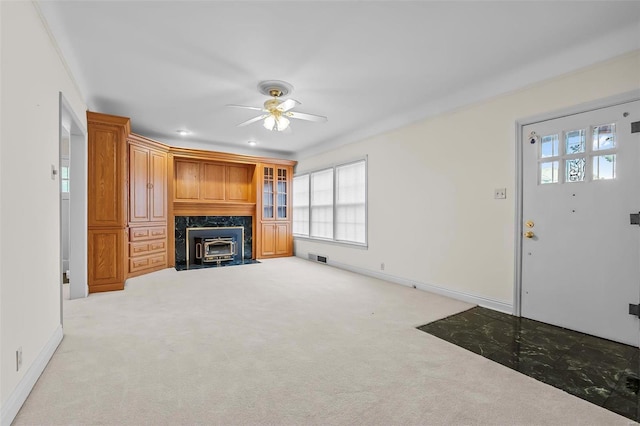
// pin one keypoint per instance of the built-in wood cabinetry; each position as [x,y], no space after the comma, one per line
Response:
[137,188]
[275,210]
[276,240]
[147,249]
[147,245]
[107,201]
[148,183]
[207,182]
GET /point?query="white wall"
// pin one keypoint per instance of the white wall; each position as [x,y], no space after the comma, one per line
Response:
[432,216]
[1,192]
[32,77]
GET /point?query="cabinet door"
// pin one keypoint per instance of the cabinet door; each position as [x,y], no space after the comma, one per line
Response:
[187,180]
[238,183]
[282,194]
[283,239]
[105,256]
[105,176]
[268,239]
[214,182]
[158,179]
[268,193]
[276,239]
[138,184]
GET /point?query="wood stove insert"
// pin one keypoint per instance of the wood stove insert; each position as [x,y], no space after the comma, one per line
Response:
[217,245]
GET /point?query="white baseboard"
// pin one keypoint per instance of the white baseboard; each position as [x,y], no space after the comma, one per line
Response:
[458,295]
[20,393]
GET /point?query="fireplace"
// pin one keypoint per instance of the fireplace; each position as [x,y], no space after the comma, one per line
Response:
[214,245]
[189,227]
[218,249]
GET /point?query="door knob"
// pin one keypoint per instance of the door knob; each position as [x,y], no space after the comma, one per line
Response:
[529,234]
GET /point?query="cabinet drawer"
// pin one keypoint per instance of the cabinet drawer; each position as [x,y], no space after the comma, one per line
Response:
[144,248]
[157,245]
[151,233]
[147,262]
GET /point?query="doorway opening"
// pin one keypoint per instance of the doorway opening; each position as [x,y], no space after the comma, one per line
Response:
[73,204]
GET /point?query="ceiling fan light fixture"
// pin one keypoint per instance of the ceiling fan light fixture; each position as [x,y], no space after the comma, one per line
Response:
[273,122]
[276,112]
[282,123]
[269,122]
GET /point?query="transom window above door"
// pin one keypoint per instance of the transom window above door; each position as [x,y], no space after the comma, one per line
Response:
[578,155]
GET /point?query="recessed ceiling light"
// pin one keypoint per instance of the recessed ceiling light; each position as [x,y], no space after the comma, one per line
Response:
[252,143]
[183,132]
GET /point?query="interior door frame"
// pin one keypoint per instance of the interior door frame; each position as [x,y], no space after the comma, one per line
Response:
[77,200]
[607,102]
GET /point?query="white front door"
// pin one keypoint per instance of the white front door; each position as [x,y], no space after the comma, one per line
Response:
[580,253]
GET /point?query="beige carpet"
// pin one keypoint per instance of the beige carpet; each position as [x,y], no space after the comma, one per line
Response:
[287,342]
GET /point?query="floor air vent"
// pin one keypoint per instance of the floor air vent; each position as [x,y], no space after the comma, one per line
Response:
[317,258]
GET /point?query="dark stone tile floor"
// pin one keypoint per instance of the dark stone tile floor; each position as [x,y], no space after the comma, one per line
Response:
[600,371]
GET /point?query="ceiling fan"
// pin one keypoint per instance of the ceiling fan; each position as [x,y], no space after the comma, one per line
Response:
[276,113]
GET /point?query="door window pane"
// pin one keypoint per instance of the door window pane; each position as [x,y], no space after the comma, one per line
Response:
[574,142]
[604,137]
[549,172]
[604,167]
[549,146]
[574,169]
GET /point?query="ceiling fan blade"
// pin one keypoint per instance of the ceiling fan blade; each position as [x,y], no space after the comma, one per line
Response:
[245,107]
[308,117]
[252,120]
[287,105]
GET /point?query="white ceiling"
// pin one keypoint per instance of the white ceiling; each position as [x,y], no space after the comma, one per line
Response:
[369,66]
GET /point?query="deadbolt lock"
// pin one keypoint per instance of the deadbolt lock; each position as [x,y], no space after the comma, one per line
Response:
[529,224]
[529,234]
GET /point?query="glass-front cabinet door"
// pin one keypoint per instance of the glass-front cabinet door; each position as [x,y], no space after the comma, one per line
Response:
[275,238]
[275,193]
[268,193]
[282,194]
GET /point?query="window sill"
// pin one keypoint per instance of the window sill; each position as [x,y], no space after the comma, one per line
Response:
[333,242]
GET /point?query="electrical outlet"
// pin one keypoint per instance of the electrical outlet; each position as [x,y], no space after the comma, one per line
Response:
[382,266]
[19,358]
[500,193]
